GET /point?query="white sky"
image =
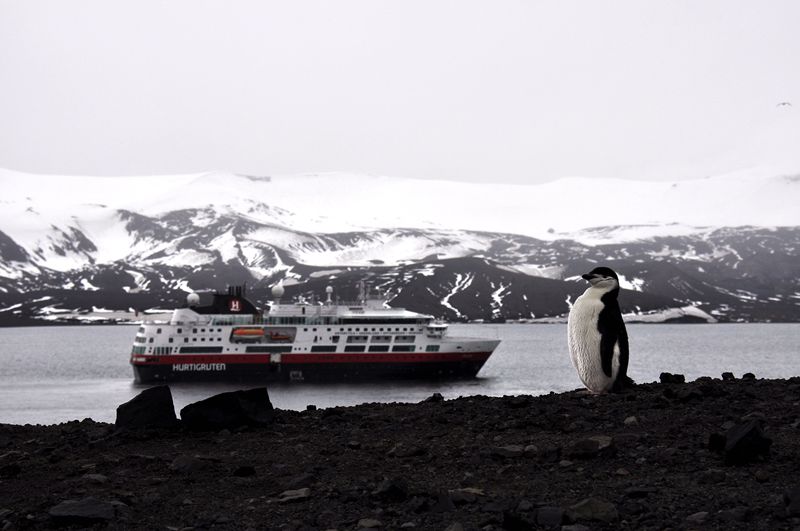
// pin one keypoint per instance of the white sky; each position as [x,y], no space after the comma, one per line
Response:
[509,91]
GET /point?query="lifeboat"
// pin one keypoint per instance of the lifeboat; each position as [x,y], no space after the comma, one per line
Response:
[277,336]
[248,332]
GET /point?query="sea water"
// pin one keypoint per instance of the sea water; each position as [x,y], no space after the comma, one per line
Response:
[60,373]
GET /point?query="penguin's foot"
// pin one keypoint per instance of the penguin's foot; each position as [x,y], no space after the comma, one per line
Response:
[622,383]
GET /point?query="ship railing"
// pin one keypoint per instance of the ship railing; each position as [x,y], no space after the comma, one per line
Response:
[322,306]
[235,320]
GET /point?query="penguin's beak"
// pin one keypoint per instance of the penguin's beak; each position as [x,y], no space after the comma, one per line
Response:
[587,277]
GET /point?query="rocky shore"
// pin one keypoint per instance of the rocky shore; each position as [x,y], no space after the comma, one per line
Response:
[719,453]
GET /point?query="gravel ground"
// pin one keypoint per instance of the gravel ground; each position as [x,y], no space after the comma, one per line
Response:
[709,454]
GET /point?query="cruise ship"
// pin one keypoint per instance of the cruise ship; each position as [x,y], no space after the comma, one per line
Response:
[231,340]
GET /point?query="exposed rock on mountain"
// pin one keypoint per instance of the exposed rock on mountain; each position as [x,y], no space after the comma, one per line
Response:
[63,258]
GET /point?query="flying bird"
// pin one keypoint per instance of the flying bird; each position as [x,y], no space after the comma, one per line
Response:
[784,104]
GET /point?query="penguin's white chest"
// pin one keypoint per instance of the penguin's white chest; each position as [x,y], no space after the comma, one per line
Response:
[583,339]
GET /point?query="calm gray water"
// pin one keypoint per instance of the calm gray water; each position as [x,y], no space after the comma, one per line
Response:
[54,374]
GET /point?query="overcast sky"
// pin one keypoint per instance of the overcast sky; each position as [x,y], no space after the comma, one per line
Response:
[514,91]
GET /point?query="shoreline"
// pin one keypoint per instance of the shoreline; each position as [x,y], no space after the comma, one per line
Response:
[644,459]
[33,323]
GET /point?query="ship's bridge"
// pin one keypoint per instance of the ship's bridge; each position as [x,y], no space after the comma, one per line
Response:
[436,329]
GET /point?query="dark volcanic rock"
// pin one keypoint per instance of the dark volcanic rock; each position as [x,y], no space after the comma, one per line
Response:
[10,470]
[668,378]
[743,443]
[728,376]
[443,503]
[550,516]
[392,490]
[400,450]
[292,496]
[300,481]
[410,470]
[87,511]
[513,521]
[152,408]
[465,495]
[791,500]
[435,397]
[229,410]
[187,464]
[512,450]
[244,471]
[593,509]
[598,445]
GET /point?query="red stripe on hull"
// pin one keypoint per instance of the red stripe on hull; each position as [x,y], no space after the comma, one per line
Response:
[393,357]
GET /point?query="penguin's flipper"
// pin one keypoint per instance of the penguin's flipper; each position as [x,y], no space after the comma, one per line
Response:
[608,340]
[624,353]
[612,335]
[623,381]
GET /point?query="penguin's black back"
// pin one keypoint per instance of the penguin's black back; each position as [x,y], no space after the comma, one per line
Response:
[612,331]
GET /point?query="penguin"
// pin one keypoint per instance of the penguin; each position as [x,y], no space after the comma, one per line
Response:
[596,335]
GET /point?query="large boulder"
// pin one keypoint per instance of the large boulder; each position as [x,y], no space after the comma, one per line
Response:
[152,408]
[596,509]
[85,512]
[746,443]
[669,378]
[229,411]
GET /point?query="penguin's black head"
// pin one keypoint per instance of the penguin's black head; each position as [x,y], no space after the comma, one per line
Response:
[602,277]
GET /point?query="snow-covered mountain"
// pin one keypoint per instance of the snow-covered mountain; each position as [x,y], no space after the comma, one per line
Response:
[725,247]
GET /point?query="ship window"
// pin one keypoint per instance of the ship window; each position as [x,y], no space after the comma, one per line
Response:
[170,340]
[403,348]
[185,339]
[354,348]
[194,330]
[404,339]
[202,329]
[158,330]
[323,348]
[141,329]
[432,348]
[379,348]
[305,329]
[202,339]
[201,350]
[151,340]
[219,329]
[267,349]
[194,339]
[180,330]
[334,339]
[329,329]
[313,329]
[381,339]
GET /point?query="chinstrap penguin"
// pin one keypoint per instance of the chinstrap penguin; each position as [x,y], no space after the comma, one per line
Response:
[596,335]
